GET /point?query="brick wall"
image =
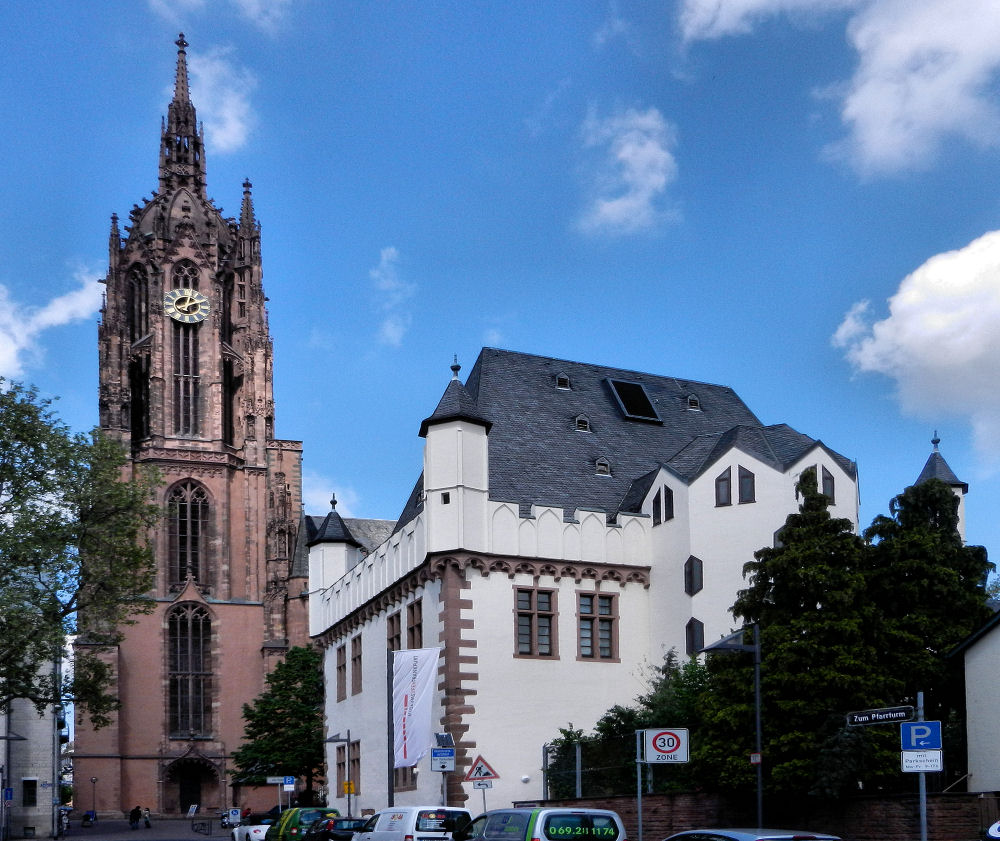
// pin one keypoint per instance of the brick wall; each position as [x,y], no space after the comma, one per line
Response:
[950,817]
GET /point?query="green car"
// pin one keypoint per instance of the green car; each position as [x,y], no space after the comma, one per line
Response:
[294,822]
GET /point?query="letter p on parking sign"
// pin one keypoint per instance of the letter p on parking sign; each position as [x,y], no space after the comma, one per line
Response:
[665,744]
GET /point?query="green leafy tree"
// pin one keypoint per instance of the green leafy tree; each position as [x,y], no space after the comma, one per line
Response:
[808,597]
[608,755]
[73,555]
[930,589]
[284,725]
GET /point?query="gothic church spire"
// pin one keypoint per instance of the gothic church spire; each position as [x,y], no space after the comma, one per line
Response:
[182,148]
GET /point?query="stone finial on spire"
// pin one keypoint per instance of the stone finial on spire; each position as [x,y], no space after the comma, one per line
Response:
[333,501]
[181,91]
[935,441]
[246,209]
[455,368]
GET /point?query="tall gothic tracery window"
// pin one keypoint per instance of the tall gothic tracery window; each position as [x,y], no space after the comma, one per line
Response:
[137,291]
[189,668]
[186,391]
[187,531]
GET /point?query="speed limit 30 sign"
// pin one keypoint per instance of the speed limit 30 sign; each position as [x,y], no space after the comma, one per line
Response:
[665,744]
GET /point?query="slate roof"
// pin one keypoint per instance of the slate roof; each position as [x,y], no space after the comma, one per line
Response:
[537,455]
[937,468]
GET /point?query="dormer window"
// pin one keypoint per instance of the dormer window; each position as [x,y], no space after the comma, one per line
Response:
[603,467]
[634,401]
[582,423]
[693,403]
[562,382]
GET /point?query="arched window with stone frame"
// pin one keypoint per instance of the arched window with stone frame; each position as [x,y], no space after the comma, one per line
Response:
[189,671]
[188,512]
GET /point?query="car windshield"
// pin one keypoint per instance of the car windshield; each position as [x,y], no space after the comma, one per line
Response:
[430,820]
[581,825]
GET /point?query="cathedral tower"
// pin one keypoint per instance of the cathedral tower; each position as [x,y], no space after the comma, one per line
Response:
[186,385]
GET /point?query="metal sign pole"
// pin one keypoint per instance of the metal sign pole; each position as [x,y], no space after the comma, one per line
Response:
[923,777]
[639,735]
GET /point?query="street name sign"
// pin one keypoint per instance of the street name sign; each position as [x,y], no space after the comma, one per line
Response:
[885,715]
[921,760]
[665,745]
[920,735]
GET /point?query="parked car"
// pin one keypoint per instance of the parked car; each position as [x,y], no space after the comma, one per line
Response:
[253,827]
[413,823]
[751,835]
[544,824]
[294,822]
[334,829]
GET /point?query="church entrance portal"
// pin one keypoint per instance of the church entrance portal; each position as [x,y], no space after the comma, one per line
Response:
[191,782]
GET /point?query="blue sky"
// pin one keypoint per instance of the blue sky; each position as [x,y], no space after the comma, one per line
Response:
[796,198]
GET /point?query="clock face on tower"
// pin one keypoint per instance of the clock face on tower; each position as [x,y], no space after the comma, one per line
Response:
[186,305]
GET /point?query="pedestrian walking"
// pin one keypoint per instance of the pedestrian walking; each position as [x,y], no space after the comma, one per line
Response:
[133,817]
[145,817]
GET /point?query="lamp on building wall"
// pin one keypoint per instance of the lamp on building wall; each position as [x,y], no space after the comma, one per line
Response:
[348,782]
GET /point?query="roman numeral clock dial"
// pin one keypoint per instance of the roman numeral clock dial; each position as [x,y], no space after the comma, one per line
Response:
[188,306]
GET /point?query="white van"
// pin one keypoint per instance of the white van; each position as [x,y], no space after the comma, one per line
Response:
[413,823]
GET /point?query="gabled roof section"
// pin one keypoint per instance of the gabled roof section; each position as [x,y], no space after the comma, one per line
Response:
[536,456]
[937,468]
[779,446]
[333,529]
[456,404]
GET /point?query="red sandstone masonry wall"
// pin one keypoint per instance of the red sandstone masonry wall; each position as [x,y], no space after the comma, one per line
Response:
[950,817]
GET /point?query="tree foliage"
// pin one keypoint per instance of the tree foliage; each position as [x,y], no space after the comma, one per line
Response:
[846,623]
[284,725]
[73,556]
[608,756]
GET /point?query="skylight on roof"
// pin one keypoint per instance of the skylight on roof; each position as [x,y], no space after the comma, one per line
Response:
[633,400]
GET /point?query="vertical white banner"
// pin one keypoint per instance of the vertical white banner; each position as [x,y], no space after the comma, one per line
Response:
[414,677]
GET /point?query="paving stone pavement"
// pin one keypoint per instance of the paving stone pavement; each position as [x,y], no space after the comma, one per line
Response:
[162,829]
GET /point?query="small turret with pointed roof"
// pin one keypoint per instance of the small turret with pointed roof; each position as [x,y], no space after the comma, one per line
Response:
[182,147]
[456,404]
[334,529]
[937,468]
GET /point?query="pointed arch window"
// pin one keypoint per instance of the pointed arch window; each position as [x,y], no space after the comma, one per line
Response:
[185,275]
[187,533]
[186,380]
[189,671]
[138,303]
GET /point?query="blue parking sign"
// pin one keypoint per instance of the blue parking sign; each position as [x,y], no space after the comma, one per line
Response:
[920,735]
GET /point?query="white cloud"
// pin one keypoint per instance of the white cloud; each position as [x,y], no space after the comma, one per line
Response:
[941,340]
[264,14]
[221,89]
[630,184]
[392,294]
[704,19]
[614,27]
[926,72]
[317,490]
[22,327]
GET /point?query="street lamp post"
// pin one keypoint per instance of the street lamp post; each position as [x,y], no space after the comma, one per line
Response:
[93,798]
[348,782]
[734,642]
